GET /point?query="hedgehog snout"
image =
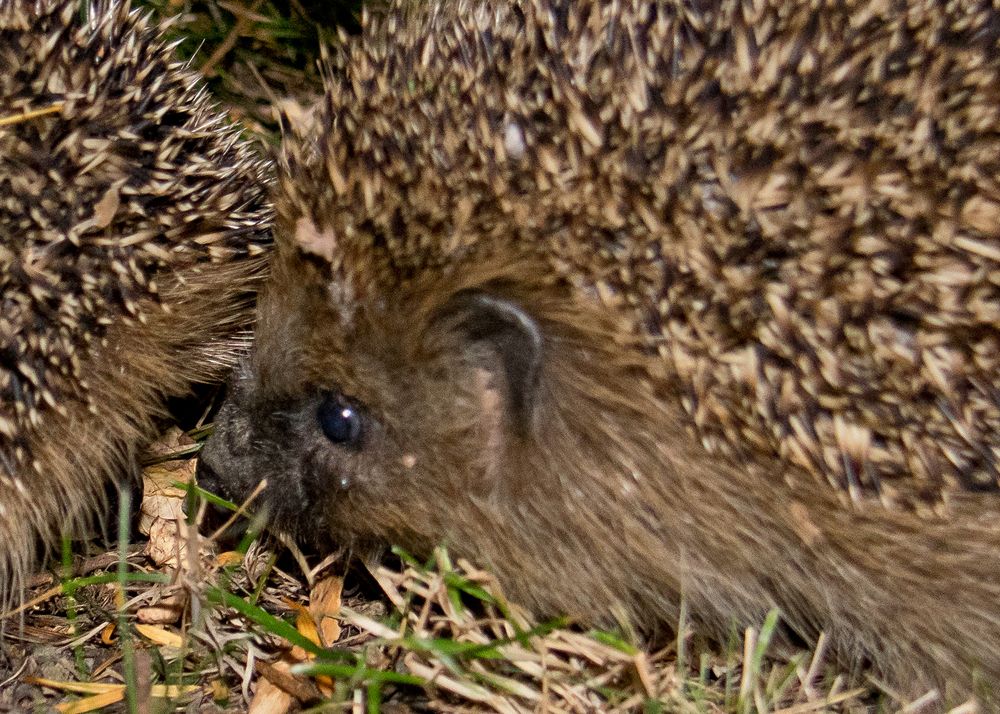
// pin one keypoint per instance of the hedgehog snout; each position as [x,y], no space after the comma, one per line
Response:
[217,469]
[227,466]
[277,442]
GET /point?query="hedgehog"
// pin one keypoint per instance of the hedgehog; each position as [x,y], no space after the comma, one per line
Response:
[643,301]
[134,223]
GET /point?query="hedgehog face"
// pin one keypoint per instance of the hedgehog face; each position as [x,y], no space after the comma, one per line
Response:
[478,408]
[317,454]
[355,422]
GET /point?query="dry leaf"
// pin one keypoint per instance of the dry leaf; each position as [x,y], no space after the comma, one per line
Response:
[90,704]
[279,674]
[302,118]
[270,699]
[167,610]
[219,690]
[103,694]
[229,558]
[306,626]
[324,606]
[159,635]
[162,508]
[107,207]
[76,687]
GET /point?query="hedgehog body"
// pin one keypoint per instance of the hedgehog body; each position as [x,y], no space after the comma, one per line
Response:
[133,221]
[635,300]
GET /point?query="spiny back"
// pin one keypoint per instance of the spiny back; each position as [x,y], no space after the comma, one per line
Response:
[795,206]
[115,169]
[133,219]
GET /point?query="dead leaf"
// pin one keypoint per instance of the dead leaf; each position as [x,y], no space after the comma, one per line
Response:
[219,690]
[306,626]
[162,508]
[270,699]
[229,558]
[324,606]
[107,207]
[93,703]
[160,635]
[167,611]
[279,674]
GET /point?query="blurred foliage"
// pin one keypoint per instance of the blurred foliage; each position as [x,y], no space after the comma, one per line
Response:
[256,53]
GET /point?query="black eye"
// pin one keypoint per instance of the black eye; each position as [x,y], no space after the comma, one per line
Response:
[340,420]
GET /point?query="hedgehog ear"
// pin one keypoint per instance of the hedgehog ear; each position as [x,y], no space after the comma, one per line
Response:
[514,341]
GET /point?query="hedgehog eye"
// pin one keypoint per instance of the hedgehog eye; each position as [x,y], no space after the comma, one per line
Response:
[340,420]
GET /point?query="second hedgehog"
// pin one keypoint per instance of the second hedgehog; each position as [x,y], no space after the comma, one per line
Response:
[638,300]
[133,223]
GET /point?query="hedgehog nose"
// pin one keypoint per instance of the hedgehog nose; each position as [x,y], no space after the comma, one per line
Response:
[216,516]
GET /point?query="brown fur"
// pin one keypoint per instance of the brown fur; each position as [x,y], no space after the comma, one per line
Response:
[639,300]
[133,221]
